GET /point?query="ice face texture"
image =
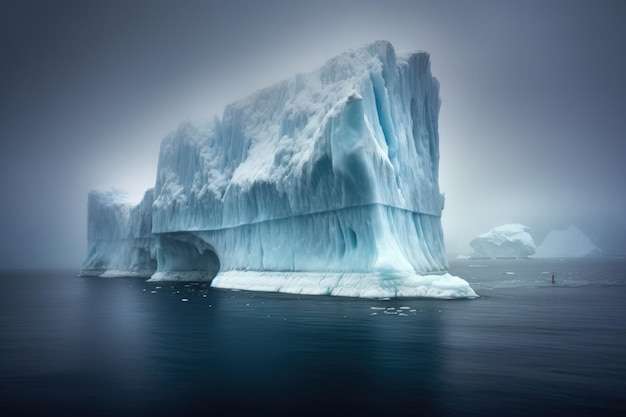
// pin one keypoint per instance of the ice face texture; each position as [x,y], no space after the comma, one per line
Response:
[119,235]
[326,183]
[507,241]
[568,243]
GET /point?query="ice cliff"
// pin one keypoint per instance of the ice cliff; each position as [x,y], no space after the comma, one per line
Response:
[119,235]
[326,183]
[507,241]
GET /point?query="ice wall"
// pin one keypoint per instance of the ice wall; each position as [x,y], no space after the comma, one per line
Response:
[119,236]
[361,130]
[330,173]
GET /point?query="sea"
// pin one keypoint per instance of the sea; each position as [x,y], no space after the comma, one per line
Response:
[76,346]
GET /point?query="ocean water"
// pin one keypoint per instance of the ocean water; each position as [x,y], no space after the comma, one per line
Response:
[94,346]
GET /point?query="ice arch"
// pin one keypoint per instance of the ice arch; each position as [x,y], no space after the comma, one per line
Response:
[182,256]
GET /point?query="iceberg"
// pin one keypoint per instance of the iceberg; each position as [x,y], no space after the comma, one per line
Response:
[568,243]
[325,183]
[506,241]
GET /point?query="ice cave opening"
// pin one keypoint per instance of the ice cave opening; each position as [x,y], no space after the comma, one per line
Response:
[182,256]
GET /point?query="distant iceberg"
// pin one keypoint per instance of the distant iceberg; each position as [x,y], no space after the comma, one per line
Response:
[568,243]
[326,183]
[507,241]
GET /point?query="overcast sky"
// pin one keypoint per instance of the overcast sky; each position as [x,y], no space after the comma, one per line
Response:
[532,122]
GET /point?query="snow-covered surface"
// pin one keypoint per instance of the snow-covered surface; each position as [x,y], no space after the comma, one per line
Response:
[568,243]
[305,185]
[507,241]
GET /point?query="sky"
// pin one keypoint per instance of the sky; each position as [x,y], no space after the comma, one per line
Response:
[532,123]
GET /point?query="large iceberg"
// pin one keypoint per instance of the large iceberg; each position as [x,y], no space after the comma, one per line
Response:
[506,241]
[568,243]
[326,183]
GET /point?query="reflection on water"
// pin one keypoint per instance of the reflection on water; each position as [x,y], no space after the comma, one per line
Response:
[123,346]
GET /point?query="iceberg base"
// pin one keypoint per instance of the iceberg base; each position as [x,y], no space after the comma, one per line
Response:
[362,285]
[182,276]
[116,273]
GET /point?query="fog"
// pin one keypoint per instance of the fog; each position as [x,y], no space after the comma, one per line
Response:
[532,120]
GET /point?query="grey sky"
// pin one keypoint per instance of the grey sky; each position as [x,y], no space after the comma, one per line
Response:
[532,122]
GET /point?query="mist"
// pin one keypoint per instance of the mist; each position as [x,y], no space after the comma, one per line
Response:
[532,120]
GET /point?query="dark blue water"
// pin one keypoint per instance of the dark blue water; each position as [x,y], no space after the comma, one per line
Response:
[92,346]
